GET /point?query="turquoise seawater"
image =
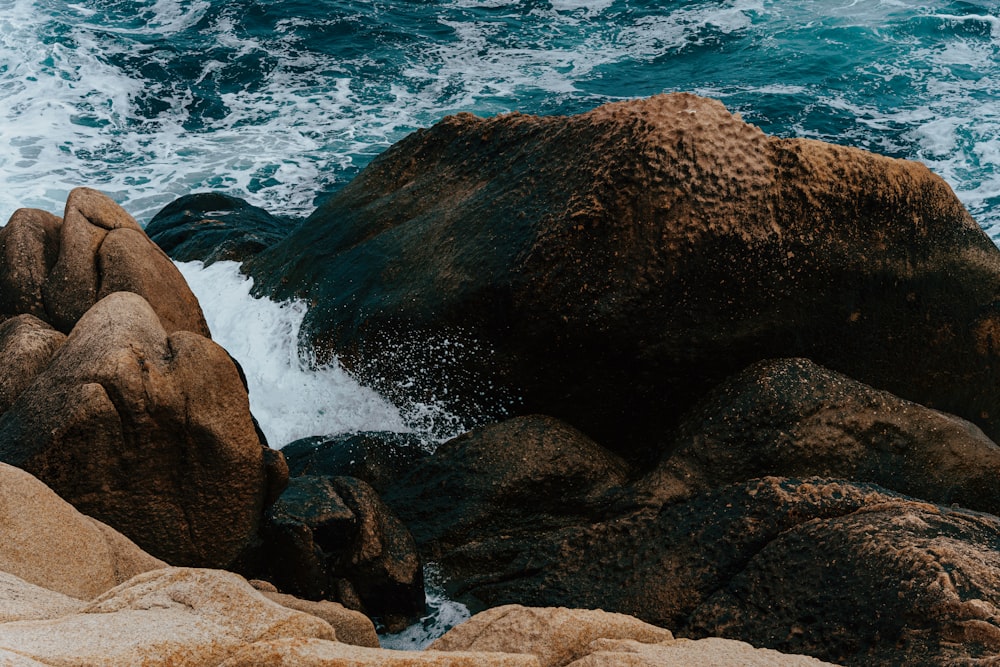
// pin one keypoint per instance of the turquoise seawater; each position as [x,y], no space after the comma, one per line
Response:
[281,101]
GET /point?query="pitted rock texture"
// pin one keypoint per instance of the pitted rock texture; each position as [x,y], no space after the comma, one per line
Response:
[609,268]
[793,418]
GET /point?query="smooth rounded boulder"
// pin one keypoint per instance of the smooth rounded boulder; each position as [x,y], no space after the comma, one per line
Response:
[147,431]
[609,268]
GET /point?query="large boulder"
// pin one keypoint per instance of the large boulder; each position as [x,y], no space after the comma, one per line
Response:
[210,226]
[57,269]
[333,538]
[49,544]
[793,418]
[148,431]
[608,268]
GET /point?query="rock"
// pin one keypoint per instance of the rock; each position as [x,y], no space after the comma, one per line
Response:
[210,226]
[56,270]
[27,344]
[712,652]
[49,544]
[352,627]
[846,572]
[23,601]
[793,418]
[146,431]
[533,471]
[557,636]
[318,653]
[172,616]
[378,458]
[333,538]
[29,247]
[896,583]
[609,268]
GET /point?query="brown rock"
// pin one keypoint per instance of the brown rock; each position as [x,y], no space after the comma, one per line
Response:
[611,267]
[351,627]
[711,652]
[27,344]
[173,616]
[793,418]
[148,432]
[557,636]
[29,246]
[334,538]
[317,653]
[57,269]
[46,542]
[534,471]
[896,583]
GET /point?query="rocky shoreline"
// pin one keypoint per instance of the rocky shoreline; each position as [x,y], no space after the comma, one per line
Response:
[733,390]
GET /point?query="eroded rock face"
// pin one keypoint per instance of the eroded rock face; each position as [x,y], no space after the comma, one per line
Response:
[333,538]
[898,583]
[146,430]
[608,268]
[793,418]
[57,269]
[27,345]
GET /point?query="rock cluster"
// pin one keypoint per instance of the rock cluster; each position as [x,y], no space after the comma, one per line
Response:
[710,367]
[116,396]
[75,591]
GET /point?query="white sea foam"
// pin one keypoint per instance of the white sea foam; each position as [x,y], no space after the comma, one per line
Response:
[290,397]
[442,615]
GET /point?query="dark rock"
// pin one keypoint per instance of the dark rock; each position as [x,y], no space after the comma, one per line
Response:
[147,431]
[793,418]
[332,538]
[210,227]
[896,583]
[529,471]
[847,572]
[376,457]
[609,268]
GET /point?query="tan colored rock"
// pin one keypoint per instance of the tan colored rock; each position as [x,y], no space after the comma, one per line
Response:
[147,431]
[711,652]
[23,601]
[315,653]
[352,627]
[555,634]
[174,617]
[11,659]
[48,543]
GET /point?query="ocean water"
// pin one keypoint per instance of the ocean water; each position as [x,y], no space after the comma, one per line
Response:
[282,102]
